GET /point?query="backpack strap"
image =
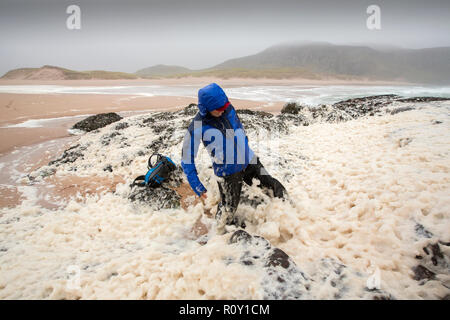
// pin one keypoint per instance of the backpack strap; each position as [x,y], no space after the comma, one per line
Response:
[139,181]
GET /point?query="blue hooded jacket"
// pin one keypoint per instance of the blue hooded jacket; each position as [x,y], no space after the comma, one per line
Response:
[223,137]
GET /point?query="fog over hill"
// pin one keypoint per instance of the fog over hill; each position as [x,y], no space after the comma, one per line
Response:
[309,60]
[316,60]
[430,65]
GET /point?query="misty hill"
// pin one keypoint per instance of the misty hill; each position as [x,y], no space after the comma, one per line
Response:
[162,70]
[431,65]
[56,73]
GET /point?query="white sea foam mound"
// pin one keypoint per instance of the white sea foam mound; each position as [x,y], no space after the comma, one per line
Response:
[368,216]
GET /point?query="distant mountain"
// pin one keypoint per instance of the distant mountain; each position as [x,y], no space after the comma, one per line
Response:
[308,60]
[56,73]
[415,65]
[162,70]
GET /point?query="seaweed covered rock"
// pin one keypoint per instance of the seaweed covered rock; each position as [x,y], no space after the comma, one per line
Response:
[283,279]
[190,110]
[292,108]
[158,198]
[423,99]
[260,120]
[69,155]
[97,121]
[359,107]
[163,197]
[433,260]
[434,263]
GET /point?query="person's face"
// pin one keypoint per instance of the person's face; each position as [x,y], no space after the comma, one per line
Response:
[216,113]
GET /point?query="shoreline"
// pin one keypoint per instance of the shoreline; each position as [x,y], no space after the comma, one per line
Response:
[229,82]
[361,188]
[19,108]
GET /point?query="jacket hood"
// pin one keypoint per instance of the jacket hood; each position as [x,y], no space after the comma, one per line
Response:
[211,98]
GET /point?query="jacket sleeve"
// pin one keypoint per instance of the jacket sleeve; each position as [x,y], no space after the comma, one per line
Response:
[190,149]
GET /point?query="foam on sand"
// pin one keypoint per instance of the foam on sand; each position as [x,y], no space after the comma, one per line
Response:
[359,189]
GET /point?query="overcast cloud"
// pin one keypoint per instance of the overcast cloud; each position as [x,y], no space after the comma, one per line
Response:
[130,35]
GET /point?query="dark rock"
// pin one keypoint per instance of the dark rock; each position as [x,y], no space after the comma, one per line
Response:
[106,139]
[240,236]
[190,110]
[292,108]
[422,232]
[436,253]
[257,120]
[97,121]
[283,279]
[69,156]
[436,122]
[164,116]
[278,258]
[121,126]
[298,119]
[420,273]
[262,114]
[158,198]
[330,272]
[401,109]
[163,197]
[423,99]
[435,265]
[108,168]
[148,121]
[358,107]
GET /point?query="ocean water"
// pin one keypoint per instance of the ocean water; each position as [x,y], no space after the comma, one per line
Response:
[306,94]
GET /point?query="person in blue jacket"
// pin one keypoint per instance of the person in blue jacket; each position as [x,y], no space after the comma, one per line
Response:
[218,126]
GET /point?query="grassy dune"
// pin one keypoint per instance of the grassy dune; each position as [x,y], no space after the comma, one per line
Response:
[272,73]
[56,73]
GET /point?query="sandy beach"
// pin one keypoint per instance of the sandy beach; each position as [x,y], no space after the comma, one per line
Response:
[368,194]
[18,108]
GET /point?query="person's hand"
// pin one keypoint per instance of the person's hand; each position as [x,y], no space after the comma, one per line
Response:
[203,196]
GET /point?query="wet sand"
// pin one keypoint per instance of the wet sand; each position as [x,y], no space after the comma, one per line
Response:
[24,146]
[18,108]
[202,81]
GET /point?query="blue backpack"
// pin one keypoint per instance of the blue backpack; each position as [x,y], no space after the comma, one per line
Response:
[157,172]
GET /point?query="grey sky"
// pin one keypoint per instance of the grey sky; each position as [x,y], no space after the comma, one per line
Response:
[130,35]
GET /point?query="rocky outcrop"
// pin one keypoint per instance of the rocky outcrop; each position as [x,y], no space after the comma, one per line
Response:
[69,156]
[283,279]
[292,108]
[97,121]
[434,261]
[423,99]
[163,197]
